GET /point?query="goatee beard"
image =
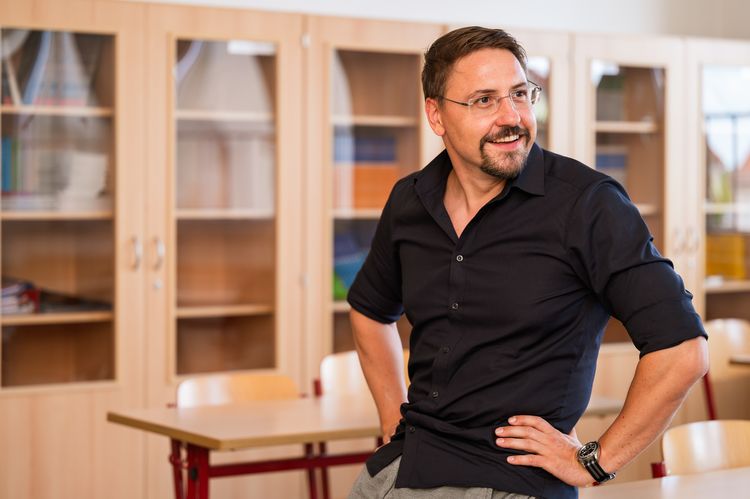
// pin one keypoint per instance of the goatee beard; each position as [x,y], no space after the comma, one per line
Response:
[511,164]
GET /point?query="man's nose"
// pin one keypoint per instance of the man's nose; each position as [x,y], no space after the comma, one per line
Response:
[506,113]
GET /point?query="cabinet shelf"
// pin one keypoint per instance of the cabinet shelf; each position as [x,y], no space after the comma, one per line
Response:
[76,111]
[199,312]
[722,208]
[647,210]
[341,307]
[224,214]
[357,214]
[213,115]
[374,120]
[55,318]
[626,127]
[718,286]
[55,215]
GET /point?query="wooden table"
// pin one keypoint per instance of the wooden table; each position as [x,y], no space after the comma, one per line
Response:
[267,423]
[740,359]
[718,484]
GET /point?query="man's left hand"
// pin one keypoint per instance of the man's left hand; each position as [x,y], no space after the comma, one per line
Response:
[547,448]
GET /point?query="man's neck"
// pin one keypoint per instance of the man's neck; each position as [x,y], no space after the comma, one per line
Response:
[466,193]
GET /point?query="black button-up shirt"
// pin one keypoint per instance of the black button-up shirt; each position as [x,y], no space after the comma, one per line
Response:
[508,318]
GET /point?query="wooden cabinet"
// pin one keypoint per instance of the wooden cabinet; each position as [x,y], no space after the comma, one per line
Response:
[365,129]
[719,136]
[224,192]
[70,225]
[627,120]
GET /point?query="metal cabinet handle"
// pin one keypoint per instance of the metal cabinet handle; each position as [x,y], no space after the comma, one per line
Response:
[693,240]
[137,252]
[160,252]
[679,242]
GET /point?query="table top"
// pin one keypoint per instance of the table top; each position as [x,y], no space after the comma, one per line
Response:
[277,422]
[725,483]
[740,358]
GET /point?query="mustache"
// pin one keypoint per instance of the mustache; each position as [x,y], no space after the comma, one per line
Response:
[505,131]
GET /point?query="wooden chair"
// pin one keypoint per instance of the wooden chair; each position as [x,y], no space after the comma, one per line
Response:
[723,381]
[706,446]
[226,389]
[341,374]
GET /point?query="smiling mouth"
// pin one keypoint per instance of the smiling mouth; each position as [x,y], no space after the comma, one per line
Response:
[508,135]
[506,139]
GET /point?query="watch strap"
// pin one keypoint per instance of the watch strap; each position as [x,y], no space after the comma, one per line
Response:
[596,471]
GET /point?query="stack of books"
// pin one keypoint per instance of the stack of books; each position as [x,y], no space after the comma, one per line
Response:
[348,257]
[365,170]
[19,297]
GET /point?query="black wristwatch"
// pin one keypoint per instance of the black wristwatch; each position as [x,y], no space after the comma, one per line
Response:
[588,456]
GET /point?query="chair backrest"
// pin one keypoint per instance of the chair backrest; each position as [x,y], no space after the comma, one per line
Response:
[706,446]
[341,373]
[730,383]
[227,388]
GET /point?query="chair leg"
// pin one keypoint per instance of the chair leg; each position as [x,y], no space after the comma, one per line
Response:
[708,390]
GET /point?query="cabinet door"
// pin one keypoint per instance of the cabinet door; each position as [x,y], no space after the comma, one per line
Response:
[366,129]
[719,77]
[627,95]
[70,222]
[223,269]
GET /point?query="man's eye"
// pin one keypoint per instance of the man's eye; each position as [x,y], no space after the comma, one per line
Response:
[484,101]
[520,94]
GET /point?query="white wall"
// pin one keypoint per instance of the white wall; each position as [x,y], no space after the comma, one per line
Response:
[718,18]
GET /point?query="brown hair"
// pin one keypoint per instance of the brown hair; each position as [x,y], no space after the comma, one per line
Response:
[446,50]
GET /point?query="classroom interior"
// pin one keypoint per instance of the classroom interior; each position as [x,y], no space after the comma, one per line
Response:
[190,187]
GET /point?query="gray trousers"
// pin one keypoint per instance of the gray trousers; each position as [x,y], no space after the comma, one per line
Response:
[381,486]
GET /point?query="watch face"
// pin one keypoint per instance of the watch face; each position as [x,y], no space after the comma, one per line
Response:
[588,450]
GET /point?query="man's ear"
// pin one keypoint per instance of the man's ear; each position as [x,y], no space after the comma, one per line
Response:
[432,110]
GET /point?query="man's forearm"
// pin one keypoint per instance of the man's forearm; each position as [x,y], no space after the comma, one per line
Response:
[661,383]
[382,360]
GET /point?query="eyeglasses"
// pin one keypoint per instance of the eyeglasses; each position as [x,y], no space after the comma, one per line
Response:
[521,98]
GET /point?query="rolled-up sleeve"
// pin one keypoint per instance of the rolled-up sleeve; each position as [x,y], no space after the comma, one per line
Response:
[613,252]
[376,291]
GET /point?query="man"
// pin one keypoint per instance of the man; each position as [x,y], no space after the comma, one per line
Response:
[508,261]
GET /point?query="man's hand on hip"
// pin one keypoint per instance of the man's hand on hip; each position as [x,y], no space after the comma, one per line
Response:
[547,448]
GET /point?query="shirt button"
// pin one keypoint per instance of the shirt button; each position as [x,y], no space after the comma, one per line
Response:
[446,349]
[412,429]
[454,306]
[435,395]
[460,258]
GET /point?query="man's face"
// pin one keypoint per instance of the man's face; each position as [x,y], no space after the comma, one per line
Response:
[496,143]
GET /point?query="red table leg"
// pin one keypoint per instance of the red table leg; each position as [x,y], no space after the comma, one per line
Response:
[197,458]
[175,458]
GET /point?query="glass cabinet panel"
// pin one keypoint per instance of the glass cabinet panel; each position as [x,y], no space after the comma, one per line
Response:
[538,69]
[726,130]
[225,184]
[629,142]
[57,220]
[375,137]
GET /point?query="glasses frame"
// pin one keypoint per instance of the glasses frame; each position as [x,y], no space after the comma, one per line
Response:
[532,100]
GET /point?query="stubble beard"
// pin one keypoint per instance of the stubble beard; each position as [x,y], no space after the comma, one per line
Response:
[510,164]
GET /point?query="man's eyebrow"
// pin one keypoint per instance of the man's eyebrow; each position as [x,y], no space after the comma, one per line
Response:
[485,91]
